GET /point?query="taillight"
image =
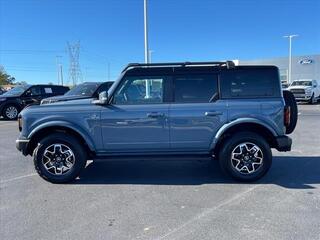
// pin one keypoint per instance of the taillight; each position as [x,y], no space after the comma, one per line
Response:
[287,113]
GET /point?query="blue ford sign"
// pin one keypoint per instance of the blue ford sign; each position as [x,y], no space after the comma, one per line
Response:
[306,61]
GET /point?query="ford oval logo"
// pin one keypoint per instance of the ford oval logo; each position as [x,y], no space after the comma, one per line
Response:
[306,61]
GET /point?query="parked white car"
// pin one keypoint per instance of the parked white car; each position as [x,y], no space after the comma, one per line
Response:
[306,90]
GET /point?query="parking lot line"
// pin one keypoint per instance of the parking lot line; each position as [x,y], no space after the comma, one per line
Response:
[17,178]
[8,124]
[206,213]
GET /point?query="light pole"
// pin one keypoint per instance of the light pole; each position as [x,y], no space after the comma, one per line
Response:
[146,45]
[290,54]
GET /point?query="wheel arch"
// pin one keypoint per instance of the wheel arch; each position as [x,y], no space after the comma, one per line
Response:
[255,126]
[42,131]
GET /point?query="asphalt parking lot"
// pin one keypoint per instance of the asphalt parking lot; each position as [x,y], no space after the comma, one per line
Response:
[165,199]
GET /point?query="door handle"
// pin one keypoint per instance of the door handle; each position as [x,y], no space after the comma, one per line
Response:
[211,114]
[155,115]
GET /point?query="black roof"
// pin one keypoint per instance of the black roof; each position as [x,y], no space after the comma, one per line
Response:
[186,67]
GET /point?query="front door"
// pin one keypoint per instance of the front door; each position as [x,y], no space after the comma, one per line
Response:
[137,118]
[32,95]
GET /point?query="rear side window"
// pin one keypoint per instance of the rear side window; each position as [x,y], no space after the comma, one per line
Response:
[250,83]
[195,88]
[59,90]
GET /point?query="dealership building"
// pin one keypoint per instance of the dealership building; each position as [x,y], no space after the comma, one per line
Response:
[303,67]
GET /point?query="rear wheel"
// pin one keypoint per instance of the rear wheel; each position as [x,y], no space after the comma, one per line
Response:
[245,156]
[10,112]
[59,158]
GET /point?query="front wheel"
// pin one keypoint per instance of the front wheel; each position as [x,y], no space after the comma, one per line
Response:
[10,112]
[59,158]
[312,99]
[245,156]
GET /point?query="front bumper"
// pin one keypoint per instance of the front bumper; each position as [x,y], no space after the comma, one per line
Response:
[22,145]
[283,143]
[302,97]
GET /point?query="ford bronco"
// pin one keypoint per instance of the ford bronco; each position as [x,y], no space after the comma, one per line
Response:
[234,113]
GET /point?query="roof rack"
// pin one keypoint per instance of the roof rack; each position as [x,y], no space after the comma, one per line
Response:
[228,64]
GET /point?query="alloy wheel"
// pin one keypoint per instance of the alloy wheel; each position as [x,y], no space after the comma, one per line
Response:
[58,159]
[246,158]
[11,112]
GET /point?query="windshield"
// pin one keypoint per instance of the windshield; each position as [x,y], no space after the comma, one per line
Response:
[16,91]
[302,83]
[83,90]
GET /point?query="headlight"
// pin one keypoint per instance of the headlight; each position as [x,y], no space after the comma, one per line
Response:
[2,99]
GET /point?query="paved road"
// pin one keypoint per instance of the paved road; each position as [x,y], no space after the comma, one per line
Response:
[167,199]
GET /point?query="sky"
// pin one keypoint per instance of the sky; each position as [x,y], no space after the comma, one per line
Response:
[34,32]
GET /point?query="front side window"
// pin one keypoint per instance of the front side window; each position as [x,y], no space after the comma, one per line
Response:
[34,91]
[195,89]
[140,90]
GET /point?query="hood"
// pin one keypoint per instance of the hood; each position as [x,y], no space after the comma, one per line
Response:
[79,101]
[62,98]
[300,87]
[3,98]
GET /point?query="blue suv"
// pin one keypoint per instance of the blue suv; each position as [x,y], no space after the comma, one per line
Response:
[234,113]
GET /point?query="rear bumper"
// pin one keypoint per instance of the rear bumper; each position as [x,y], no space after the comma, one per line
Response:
[22,145]
[283,143]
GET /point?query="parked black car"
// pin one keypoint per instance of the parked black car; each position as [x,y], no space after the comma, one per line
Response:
[13,101]
[81,91]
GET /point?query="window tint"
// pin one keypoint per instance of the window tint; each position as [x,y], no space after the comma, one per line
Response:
[250,83]
[197,88]
[34,91]
[60,90]
[140,90]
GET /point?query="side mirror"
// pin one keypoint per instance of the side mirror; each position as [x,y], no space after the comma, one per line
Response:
[314,86]
[103,98]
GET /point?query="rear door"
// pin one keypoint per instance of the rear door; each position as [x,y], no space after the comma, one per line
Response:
[196,113]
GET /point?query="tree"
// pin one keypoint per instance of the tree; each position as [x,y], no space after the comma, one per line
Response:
[5,78]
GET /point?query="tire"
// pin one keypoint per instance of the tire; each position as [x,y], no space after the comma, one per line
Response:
[48,155]
[258,163]
[290,101]
[312,99]
[10,112]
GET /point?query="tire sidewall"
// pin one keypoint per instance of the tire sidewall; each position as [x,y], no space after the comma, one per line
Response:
[231,143]
[73,144]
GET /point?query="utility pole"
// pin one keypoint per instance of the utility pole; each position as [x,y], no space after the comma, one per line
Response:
[150,55]
[146,44]
[108,71]
[61,74]
[290,55]
[58,71]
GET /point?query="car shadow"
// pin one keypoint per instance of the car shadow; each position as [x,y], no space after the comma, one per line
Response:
[287,171]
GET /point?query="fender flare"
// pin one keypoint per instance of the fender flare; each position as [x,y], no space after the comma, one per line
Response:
[239,121]
[86,137]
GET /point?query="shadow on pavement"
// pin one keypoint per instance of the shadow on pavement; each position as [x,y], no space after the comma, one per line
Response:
[287,171]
